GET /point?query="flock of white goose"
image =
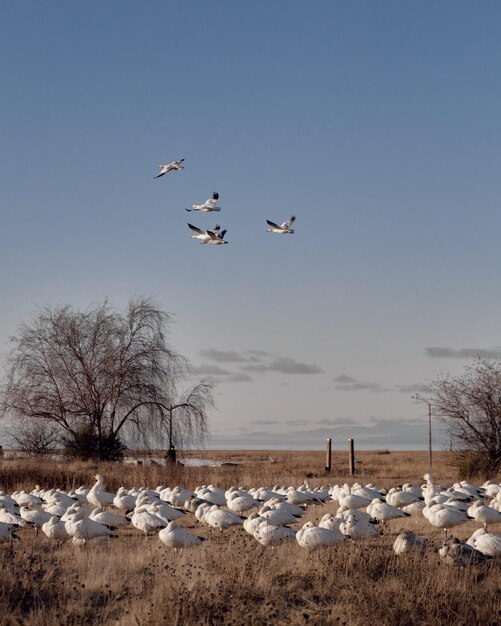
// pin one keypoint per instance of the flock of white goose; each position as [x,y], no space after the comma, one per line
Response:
[215,236]
[86,516]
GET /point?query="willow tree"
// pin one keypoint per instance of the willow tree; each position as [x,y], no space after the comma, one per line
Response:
[98,376]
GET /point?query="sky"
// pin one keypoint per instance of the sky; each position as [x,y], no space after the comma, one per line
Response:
[375,123]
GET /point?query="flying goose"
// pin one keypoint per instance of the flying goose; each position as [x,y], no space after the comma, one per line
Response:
[208,206]
[284,228]
[203,235]
[216,239]
[174,166]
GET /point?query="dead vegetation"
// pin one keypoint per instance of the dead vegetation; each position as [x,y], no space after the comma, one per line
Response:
[230,578]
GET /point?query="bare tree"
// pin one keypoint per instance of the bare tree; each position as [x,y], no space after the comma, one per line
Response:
[470,408]
[33,437]
[186,418]
[98,374]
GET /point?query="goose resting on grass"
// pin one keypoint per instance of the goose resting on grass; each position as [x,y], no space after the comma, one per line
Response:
[485,542]
[311,536]
[174,536]
[407,541]
[283,229]
[208,206]
[174,166]
[453,552]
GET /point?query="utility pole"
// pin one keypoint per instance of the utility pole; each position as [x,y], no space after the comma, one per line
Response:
[421,400]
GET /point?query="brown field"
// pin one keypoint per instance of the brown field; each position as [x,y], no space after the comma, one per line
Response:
[231,579]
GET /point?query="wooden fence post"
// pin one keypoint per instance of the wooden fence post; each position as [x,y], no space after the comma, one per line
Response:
[328,455]
[352,456]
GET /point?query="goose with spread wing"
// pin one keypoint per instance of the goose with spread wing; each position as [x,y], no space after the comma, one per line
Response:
[174,166]
[283,229]
[203,235]
[208,206]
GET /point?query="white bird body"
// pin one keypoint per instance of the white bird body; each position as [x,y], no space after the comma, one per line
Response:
[75,508]
[400,498]
[277,516]
[415,508]
[270,535]
[311,536]
[283,505]
[84,530]
[352,501]
[178,496]
[252,522]
[216,495]
[383,512]
[241,503]
[407,541]
[219,518]
[282,229]
[330,522]
[54,507]
[124,501]
[357,526]
[445,517]
[485,542]
[147,522]
[204,235]
[55,529]
[9,517]
[485,514]
[174,166]
[174,536]
[108,518]
[36,517]
[97,497]
[208,206]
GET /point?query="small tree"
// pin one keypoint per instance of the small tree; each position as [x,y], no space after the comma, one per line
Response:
[96,376]
[35,438]
[185,420]
[470,408]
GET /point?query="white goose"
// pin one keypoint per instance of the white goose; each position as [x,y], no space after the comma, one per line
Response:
[240,503]
[208,206]
[36,517]
[270,535]
[108,518]
[445,517]
[84,530]
[407,541]
[216,239]
[485,514]
[384,512]
[97,496]
[174,536]
[283,229]
[218,518]
[487,543]
[174,166]
[55,529]
[203,235]
[311,536]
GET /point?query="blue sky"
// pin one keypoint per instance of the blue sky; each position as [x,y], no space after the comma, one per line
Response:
[376,124]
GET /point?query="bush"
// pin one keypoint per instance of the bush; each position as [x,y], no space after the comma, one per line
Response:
[472,465]
[86,444]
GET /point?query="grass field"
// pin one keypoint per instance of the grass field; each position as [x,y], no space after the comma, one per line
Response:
[230,578]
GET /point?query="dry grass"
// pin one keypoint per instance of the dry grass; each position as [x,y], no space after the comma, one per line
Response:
[231,579]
